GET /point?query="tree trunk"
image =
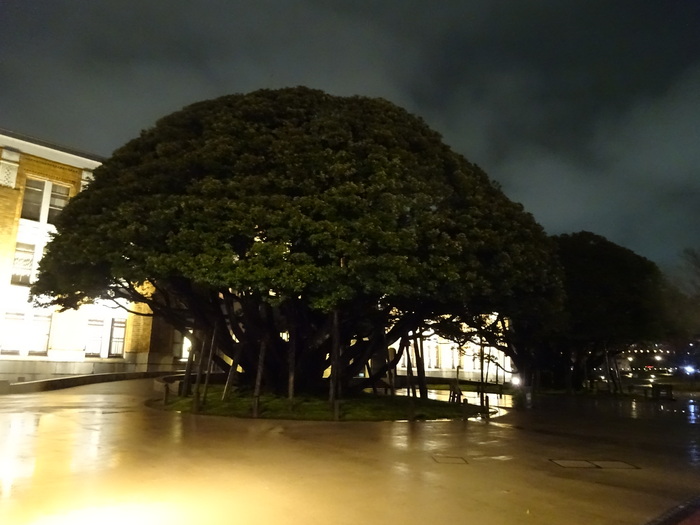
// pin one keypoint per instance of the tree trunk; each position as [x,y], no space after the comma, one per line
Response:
[410,385]
[335,355]
[258,378]
[391,374]
[616,373]
[210,357]
[481,373]
[291,361]
[186,388]
[198,380]
[612,386]
[420,366]
[488,367]
[232,378]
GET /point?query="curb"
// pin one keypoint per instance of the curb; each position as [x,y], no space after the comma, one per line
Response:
[678,513]
[44,385]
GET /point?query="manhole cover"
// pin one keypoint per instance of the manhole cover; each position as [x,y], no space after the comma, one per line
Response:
[584,463]
[613,464]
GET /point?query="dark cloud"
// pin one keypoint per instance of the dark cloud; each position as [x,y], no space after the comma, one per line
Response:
[586,111]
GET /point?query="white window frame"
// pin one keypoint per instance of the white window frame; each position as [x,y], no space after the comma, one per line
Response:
[117,338]
[94,337]
[47,199]
[34,329]
[24,253]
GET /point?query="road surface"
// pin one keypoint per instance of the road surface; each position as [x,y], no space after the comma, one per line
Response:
[97,454]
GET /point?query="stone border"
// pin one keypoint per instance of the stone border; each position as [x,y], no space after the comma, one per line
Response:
[44,385]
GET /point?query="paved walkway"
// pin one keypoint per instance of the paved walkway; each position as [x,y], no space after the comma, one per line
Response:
[96,454]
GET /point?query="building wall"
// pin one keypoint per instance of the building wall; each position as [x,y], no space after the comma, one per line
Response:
[442,359]
[41,343]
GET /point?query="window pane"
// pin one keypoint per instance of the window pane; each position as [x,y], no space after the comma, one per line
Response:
[12,333]
[23,264]
[93,344]
[116,340]
[181,345]
[39,335]
[33,194]
[59,199]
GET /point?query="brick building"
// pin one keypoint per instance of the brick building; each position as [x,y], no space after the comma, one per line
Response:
[36,181]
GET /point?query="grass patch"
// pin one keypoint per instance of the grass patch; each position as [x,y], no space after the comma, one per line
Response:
[364,407]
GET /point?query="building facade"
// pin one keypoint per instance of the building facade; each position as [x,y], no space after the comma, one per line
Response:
[37,180]
[470,362]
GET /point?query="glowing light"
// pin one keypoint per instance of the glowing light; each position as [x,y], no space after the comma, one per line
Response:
[132,513]
[515,380]
[13,464]
[689,370]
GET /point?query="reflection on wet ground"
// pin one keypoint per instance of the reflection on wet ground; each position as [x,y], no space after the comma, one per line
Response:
[497,402]
[664,428]
[88,455]
[685,407]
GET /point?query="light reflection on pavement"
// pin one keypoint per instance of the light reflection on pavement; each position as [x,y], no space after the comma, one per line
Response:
[97,455]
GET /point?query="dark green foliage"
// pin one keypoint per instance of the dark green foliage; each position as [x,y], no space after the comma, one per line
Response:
[259,215]
[686,300]
[691,271]
[614,295]
[614,298]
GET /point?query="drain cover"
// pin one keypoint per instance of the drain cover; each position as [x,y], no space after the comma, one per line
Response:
[584,463]
[450,459]
[613,464]
[573,463]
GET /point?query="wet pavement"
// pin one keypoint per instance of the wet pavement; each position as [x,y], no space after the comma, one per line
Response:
[97,454]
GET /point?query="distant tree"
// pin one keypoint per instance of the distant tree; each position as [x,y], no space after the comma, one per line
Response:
[691,277]
[614,298]
[298,231]
[686,300]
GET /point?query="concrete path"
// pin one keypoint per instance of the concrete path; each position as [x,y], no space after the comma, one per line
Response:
[95,454]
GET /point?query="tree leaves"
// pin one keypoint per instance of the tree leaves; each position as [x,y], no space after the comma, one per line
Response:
[295,195]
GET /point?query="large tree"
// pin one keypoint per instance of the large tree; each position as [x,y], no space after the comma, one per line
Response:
[298,230]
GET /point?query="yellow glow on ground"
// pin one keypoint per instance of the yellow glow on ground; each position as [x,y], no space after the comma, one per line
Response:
[124,514]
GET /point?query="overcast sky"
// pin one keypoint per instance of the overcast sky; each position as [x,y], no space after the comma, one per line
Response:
[585,111]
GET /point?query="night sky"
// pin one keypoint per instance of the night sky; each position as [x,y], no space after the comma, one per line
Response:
[585,111]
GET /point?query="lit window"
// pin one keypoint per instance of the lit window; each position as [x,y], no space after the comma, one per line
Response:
[58,201]
[33,197]
[12,334]
[23,264]
[181,346]
[93,343]
[38,340]
[25,333]
[43,200]
[116,338]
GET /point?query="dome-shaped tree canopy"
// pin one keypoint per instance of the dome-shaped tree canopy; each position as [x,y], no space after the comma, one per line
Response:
[285,205]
